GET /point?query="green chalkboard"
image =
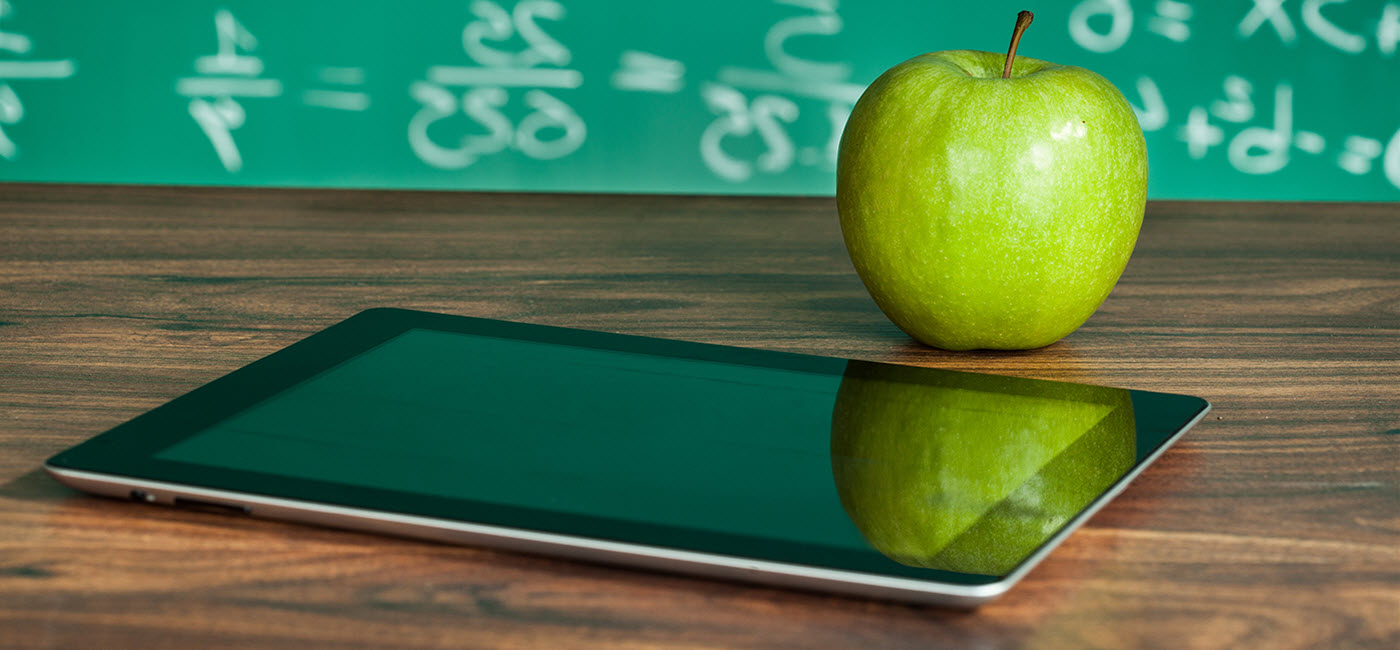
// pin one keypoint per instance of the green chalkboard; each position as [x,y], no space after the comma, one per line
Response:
[1264,99]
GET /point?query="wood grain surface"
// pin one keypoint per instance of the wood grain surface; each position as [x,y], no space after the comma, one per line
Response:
[1274,524]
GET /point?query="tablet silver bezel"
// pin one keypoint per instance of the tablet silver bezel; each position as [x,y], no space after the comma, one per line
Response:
[600,550]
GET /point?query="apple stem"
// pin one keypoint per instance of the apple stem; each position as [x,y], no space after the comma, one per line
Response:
[1023,20]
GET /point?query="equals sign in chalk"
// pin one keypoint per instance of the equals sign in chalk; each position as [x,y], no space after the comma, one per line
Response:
[339,98]
[649,73]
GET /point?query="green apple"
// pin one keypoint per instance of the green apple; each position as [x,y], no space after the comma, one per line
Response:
[990,204]
[974,475]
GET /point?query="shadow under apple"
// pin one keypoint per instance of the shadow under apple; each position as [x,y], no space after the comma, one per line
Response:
[971,473]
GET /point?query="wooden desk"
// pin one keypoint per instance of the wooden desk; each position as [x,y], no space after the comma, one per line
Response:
[1275,523]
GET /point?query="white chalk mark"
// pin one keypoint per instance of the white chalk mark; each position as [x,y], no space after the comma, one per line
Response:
[1173,30]
[1309,142]
[1272,142]
[774,82]
[1153,114]
[11,112]
[247,66]
[15,43]
[61,69]
[1170,20]
[1391,164]
[337,99]
[10,42]
[1174,9]
[1120,15]
[1272,12]
[549,114]
[217,120]
[341,76]
[446,75]
[11,108]
[228,87]
[825,22]
[1388,29]
[641,71]
[232,36]
[769,114]
[1358,155]
[1237,106]
[651,62]
[1327,30]
[734,119]
[1199,134]
[495,24]
[636,81]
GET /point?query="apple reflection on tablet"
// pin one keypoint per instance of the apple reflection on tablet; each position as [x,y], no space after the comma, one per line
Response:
[972,473]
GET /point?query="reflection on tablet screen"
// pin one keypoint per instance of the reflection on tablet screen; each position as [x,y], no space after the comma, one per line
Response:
[966,478]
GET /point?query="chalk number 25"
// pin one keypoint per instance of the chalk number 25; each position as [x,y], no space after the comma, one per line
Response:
[483,104]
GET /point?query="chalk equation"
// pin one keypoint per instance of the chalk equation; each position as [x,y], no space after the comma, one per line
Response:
[762,101]
[536,68]
[16,67]
[1285,99]
[342,90]
[224,78]
[234,74]
[1172,20]
[1269,139]
[1254,140]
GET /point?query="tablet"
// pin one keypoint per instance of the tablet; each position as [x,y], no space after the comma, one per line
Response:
[813,472]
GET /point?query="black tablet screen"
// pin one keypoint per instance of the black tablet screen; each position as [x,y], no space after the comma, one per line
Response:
[848,464]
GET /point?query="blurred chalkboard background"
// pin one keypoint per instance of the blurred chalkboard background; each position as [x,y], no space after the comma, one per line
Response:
[1259,99]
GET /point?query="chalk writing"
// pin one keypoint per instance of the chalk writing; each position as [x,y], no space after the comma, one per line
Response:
[1256,148]
[1358,152]
[339,93]
[1260,149]
[1171,20]
[641,71]
[1120,21]
[1153,114]
[230,74]
[1290,99]
[11,108]
[536,67]
[773,107]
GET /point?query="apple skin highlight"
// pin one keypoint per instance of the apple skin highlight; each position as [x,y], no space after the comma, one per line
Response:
[990,213]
